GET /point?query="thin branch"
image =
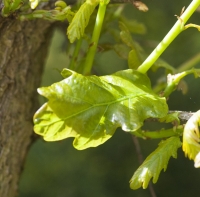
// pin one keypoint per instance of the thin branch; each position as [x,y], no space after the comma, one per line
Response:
[184,116]
[140,159]
[138,149]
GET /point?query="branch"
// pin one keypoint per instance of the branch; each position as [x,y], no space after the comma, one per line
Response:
[165,133]
[184,116]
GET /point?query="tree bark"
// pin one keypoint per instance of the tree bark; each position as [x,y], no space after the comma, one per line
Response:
[23,46]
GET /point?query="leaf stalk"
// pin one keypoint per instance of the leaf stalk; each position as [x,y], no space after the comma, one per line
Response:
[172,34]
[95,37]
[75,54]
[159,134]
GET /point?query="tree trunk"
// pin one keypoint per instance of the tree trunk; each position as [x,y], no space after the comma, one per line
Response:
[23,46]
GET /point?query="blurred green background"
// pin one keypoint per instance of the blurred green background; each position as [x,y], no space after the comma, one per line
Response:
[56,169]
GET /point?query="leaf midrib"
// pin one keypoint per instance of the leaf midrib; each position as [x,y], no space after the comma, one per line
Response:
[97,105]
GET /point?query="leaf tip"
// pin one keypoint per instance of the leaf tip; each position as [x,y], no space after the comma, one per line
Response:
[40,90]
[66,73]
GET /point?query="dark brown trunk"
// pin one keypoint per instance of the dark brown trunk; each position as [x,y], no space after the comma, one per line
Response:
[23,46]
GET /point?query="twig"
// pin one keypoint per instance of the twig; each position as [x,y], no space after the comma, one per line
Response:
[184,116]
[138,149]
[140,160]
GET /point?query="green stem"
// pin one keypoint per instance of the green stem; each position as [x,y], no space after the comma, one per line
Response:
[172,34]
[183,67]
[95,37]
[173,80]
[75,54]
[159,134]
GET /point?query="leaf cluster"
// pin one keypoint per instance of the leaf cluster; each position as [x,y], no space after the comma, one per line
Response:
[91,108]
[155,162]
[80,21]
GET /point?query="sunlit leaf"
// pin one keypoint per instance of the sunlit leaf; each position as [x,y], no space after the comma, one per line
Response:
[154,163]
[80,21]
[191,140]
[90,108]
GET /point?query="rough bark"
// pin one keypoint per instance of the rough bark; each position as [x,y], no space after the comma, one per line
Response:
[23,46]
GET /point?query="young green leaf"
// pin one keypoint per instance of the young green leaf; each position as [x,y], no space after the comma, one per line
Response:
[121,50]
[126,35]
[56,14]
[80,21]
[155,162]
[61,12]
[134,59]
[10,6]
[90,108]
[133,25]
[191,139]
